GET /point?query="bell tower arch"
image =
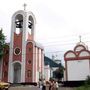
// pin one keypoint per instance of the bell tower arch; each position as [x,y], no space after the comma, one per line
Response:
[18,23]
[31,26]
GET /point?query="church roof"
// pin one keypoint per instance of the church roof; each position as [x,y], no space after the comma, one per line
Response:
[79,52]
[36,44]
[39,45]
[50,62]
[83,44]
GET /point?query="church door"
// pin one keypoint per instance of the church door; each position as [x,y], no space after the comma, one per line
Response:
[17,73]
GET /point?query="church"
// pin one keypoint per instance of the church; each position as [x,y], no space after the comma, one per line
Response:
[23,61]
[77,63]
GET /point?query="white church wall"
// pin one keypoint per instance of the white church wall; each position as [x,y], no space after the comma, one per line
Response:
[36,51]
[47,72]
[78,70]
[39,60]
[64,78]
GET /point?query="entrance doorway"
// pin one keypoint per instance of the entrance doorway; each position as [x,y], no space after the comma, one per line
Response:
[17,73]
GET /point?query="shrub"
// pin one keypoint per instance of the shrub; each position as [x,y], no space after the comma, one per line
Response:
[87,82]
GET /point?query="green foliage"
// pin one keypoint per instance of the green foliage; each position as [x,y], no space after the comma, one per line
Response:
[88,79]
[51,79]
[2,43]
[83,88]
[86,86]
[87,82]
[59,73]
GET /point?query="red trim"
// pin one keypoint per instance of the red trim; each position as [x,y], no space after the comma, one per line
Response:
[17,43]
[78,57]
[29,57]
[70,59]
[35,65]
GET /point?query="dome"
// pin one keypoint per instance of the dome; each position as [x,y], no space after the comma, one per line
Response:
[83,44]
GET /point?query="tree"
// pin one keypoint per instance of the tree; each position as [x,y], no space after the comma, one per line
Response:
[2,43]
[59,73]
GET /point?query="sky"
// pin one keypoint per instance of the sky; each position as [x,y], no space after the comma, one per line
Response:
[59,23]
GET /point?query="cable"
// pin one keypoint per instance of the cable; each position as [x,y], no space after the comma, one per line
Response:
[68,36]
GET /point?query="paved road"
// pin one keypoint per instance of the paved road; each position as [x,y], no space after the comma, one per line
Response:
[66,88]
[24,88]
[35,88]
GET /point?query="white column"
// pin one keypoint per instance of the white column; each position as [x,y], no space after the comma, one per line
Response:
[25,23]
[10,68]
[33,71]
[36,64]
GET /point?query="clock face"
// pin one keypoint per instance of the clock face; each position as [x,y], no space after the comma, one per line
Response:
[17,51]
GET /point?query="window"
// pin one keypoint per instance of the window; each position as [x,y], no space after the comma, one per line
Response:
[17,51]
[29,61]
[29,73]
[30,49]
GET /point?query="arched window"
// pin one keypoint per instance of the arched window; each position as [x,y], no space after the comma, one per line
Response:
[29,74]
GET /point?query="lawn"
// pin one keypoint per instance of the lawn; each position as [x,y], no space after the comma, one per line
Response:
[83,88]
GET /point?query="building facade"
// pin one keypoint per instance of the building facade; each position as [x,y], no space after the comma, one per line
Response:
[77,63]
[50,67]
[23,61]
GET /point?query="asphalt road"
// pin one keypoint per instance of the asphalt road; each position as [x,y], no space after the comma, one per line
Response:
[65,88]
[24,88]
[35,88]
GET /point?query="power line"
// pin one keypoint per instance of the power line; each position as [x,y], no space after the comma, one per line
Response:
[69,36]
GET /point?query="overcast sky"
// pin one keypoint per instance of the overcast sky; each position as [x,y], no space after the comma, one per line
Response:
[59,22]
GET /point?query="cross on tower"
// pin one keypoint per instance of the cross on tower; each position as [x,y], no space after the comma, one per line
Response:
[24,6]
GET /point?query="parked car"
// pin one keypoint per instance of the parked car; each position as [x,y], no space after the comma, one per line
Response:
[4,85]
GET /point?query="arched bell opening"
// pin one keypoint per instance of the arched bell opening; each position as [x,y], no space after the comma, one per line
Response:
[18,23]
[30,25]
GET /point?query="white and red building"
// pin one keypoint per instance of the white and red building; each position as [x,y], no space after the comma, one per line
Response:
[24,58]
[77,63]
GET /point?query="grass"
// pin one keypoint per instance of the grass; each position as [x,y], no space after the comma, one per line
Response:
[86,87]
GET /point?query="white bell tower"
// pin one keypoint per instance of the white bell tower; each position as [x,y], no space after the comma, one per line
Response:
[22,30]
